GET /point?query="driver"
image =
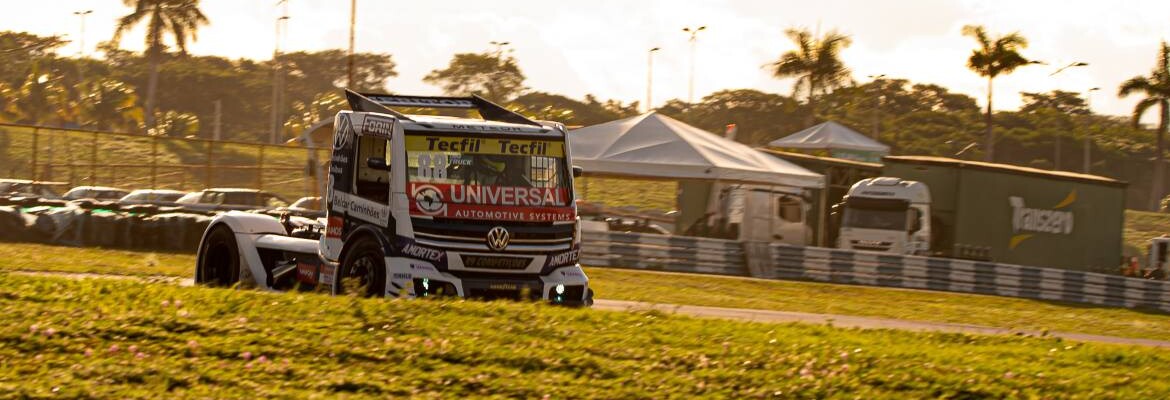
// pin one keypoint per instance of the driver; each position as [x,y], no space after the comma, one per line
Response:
[496,170]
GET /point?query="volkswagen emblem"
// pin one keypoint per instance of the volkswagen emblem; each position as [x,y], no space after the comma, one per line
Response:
[497,238]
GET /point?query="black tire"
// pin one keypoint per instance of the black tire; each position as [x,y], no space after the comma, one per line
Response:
[362,271]
[219,258]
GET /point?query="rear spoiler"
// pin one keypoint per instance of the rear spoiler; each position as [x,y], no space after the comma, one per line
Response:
[382,102]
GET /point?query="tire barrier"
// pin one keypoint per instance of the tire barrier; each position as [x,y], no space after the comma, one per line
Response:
[786,262]
[101,224]
[663,252]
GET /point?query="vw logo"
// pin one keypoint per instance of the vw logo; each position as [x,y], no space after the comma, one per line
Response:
[497,238]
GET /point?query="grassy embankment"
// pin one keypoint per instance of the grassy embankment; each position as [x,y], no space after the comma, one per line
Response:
[111,338]
[705,290]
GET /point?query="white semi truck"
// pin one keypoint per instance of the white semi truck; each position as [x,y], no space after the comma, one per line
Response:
[421,206]
[887,215]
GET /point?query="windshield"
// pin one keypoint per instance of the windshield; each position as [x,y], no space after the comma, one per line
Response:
[871,213]
[875,219]
[479,161]
[487,178]
[190,198]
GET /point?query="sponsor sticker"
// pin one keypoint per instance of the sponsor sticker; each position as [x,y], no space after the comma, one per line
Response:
[307,273]
[334,227]
[470,145]
[378,126]
[504,203]
[327,274]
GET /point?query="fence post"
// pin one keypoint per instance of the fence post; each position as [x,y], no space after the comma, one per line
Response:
[35,150]
[153,161]
[207,166]
[260,169]
[93,159]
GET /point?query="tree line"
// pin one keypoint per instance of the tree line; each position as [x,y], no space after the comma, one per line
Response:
[165,91]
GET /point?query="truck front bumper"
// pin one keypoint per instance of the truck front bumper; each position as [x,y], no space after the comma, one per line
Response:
[411,278]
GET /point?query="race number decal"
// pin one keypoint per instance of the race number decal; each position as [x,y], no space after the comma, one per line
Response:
[432,165]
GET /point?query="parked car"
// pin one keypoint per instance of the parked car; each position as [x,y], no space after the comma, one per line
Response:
[25,187]
[305,207]
[161,197]
[231,199]
[103,193]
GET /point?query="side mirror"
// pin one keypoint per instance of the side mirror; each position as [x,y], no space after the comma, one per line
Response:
[915,220]
[578,171]
[377,163]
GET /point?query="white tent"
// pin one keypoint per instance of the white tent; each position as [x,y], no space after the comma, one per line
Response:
[656,146]
[830,135]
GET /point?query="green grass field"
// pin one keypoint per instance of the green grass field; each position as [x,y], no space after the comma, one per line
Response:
[1141,226]
[706,290]
[121,339]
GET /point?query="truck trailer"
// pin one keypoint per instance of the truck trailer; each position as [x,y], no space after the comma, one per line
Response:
[418,206]
[1007,214]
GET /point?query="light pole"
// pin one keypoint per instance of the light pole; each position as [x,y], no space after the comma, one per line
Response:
[278,77]
[1089,106]
[1056,136]
[877,104]
[499,48]
[694,37]
[650,78]
[349,55]
[81,37]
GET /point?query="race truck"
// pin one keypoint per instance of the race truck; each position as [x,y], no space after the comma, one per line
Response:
[418,206]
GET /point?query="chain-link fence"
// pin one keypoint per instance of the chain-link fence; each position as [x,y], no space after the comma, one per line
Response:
[135,161]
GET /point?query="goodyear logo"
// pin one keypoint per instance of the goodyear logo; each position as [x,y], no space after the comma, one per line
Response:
[1027,222]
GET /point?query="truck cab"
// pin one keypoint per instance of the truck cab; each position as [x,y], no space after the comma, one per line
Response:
[885,214]
[764,213]
[425,205]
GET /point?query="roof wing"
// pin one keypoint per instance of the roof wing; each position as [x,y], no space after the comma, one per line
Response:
[382,103]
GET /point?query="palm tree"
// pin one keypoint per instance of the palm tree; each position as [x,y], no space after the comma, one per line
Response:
[178,18]
[996,56]
[816,64]
[1156,89]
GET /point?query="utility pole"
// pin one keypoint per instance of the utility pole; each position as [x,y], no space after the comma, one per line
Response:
[349,56]
[694,38]
[650,79]
[1088,143]
[216,132]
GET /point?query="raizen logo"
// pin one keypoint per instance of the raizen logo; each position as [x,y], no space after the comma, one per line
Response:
[1026,222]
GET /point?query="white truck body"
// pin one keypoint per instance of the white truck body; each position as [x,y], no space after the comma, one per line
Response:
[886,214]
[447,206]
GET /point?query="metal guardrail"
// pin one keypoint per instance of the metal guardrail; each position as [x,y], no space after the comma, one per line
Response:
[727,257]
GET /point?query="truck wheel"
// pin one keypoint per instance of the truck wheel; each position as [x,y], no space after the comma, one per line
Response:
[219,258]
[362,271]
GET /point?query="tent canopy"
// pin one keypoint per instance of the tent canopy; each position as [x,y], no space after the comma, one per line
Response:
[830,135]
[652,145]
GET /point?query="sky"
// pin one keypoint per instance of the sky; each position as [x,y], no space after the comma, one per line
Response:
[600,47]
